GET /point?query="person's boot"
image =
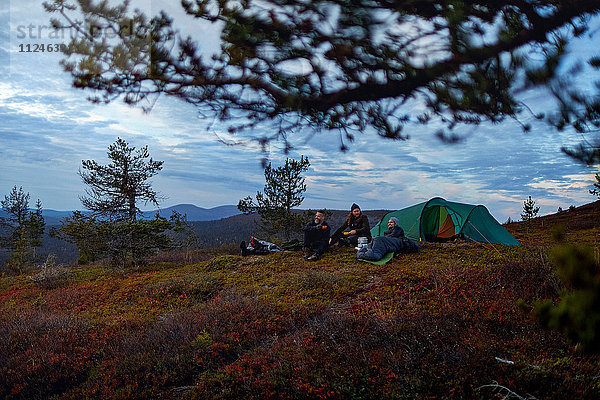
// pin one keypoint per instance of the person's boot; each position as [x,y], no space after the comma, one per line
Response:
[243,248]
[307,252]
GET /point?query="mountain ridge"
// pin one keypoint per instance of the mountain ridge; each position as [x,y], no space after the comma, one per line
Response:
[192,212]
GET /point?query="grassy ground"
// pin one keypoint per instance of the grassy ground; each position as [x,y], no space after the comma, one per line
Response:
[440,323]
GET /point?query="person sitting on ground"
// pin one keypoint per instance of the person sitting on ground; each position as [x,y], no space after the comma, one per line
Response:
[393,240]
[355,226]
[316,237]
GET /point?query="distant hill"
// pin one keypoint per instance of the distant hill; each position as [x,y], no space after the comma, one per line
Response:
[192,212]
[51,217]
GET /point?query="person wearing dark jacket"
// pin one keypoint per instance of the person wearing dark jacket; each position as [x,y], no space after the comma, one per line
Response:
[393,240]
[316,237]
[355,226]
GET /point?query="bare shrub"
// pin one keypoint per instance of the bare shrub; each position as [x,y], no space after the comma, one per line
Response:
[502,392]
[51,276]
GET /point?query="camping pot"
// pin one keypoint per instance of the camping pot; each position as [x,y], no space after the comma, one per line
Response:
[362,242]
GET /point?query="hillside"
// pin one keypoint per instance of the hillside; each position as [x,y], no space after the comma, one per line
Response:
[210,324]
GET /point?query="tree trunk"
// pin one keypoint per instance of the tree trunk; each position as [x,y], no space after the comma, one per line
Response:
[132,209]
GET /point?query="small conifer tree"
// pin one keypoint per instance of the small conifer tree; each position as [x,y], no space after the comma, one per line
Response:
[283,191]
[596,190]
[21,259]
[24,229]
[530,210]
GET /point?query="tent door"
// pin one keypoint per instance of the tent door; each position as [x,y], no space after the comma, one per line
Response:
[437,224]
[447,229]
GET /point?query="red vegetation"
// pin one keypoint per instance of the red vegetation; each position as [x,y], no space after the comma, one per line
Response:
[441,323]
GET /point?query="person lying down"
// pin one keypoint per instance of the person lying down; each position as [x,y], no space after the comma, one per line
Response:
[393,240]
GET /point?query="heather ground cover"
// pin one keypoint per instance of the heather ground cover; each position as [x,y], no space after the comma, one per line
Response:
[441,323]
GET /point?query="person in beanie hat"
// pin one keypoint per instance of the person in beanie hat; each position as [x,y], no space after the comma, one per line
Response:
[355,226]
[393,240]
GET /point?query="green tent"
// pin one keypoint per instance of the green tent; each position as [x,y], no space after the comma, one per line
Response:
[438,220]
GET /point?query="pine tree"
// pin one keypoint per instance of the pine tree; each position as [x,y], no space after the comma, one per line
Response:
[16,205]
[124,243]
[25,229]
[530,211]
[22,257]
[596,190]
[35,225]
[114,190]
[283,191]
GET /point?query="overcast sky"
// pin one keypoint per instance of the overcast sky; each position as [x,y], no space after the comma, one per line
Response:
[48,128]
